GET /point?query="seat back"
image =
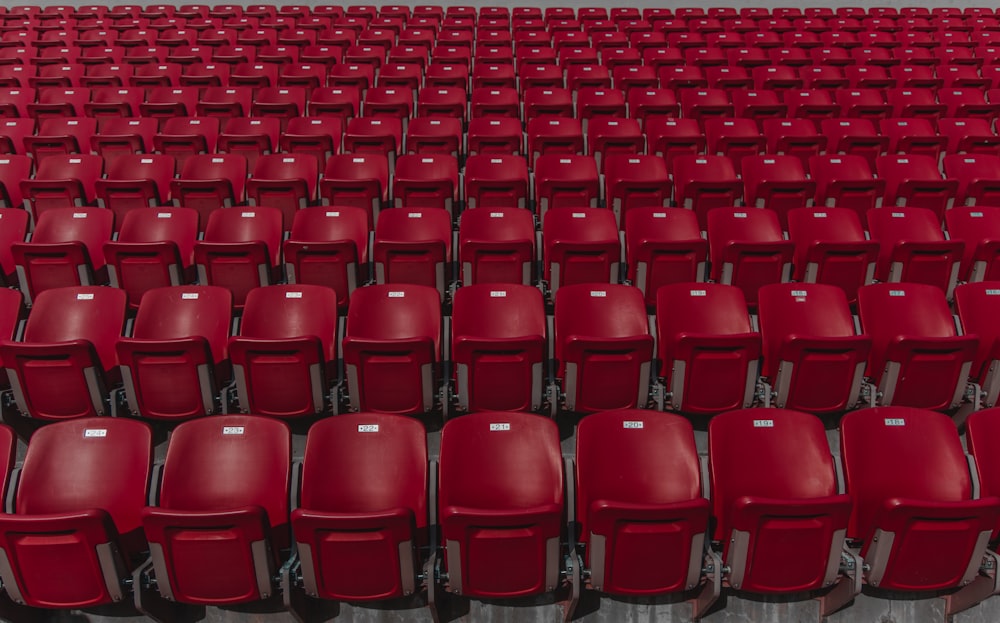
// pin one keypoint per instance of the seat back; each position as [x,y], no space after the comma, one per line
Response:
[707,349]
[978,228]
[209,182]
[185,137]
[392,348]
[635,181]
[917,357]
[496,245]
[155,248]
[565,181]
[775,499]
[358,536]
[663,247]
[499,348]
[13,229]
[912,248]
[496,181]
[603,346]
[426,181]
[813,357]
[980,433]
[222,519]
[328,246]
[977,305]
[500,504]
[284,356]
[176,360]
[831,248]
[643,535]
[66,360]
[747,249]
[703,183]
[240,250]
[250,137]
[581,246]
[61,181]
[135,181]
[65,250]
[915,515]
[359,180]
[284,181]
[81,490]
[846,181]
[413,245]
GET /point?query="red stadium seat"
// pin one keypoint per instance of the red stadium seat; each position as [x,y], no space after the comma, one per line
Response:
[79,495]
[603,347]
[498,347]
[240,250]
[917,357]
[912,248]
[831,248]
[496,245]
[65,250]
[360,180]
[65,363]
[209,182]
[747,249]
[358,543]
[413,245]
[671,511]
[223,510]
[920,505]
[695,324]
[328,246]
[501,532]
[154,249]
[284,358]
[814,360]
[780,518]
[392,348]
[176,360]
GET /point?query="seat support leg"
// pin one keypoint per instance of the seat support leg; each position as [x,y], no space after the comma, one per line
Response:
[710,591]
[985,585]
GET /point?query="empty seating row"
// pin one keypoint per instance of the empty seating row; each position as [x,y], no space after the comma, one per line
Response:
[434,180]
[246,247]
[47,13]
[383,30]
[399,354]
[736,137]
[392,523]
[685,91]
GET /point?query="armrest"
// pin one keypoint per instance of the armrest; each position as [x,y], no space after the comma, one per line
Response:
[159,522]
[241,347]
[461,517]
[398,521]
[868,248]
[114,250]
[686,345]
[80,352]
[748,511]
[793,347]
[603,514]
[95,524]
[355,346]
[576,346]
[906,249]
[901,348]
[897,512]
[736,248]
[464,346]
